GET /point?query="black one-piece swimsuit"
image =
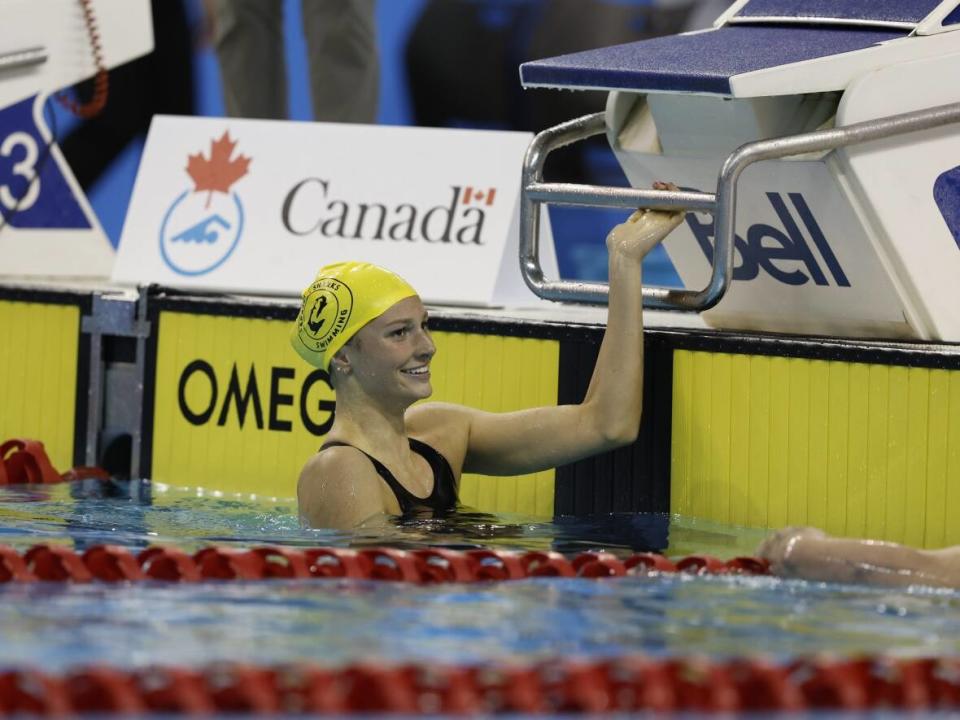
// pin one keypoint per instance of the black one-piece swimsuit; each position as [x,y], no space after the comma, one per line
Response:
[442,498]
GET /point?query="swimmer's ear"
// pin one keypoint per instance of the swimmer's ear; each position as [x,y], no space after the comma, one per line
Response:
[340,363]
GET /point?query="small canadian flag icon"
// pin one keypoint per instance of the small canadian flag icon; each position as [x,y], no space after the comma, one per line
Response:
[472,194]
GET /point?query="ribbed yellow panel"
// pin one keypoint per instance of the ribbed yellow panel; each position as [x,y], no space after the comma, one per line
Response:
[485,371]
[856,449]
[38,375]
[499,374]
[252,459]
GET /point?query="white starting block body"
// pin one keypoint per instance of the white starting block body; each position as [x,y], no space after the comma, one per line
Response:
[862,240]
[48,228]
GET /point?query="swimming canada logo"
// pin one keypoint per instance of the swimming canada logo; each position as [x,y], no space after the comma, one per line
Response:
[324,313]
[202,227]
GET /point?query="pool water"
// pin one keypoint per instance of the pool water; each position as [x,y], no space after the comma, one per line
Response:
[58,626]
[140,513]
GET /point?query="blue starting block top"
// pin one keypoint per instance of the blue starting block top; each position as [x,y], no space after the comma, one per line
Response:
[702,62]
[904,12]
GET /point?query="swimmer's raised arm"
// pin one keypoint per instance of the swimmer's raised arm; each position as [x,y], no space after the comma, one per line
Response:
[609,416]
[368,329]
[810,554]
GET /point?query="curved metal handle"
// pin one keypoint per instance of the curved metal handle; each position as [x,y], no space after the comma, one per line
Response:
[534,193]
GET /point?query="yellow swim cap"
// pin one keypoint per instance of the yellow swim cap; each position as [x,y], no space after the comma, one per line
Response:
[342,299]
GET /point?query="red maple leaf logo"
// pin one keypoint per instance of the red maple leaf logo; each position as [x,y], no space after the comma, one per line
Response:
[219,172]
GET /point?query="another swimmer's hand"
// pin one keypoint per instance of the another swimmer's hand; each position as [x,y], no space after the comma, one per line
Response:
[644,229]
[781,547]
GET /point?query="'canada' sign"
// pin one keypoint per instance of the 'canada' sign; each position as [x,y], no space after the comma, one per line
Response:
[257,206]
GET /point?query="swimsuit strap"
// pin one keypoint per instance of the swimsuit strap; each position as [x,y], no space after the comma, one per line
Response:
[444,493]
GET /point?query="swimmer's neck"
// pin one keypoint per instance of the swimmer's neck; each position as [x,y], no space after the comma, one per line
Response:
[370,427]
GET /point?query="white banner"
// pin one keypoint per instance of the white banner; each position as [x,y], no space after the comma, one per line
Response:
[257,206]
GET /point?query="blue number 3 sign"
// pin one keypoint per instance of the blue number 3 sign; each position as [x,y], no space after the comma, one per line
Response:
[34,193]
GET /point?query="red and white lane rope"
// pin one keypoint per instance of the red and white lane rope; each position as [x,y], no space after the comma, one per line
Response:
[625,684]
[25,462]
[111,563]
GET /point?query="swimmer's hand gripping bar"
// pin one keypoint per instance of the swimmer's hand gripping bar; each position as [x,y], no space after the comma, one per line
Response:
[722,204]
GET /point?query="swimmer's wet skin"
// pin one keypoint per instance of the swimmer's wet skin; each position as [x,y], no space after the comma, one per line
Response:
[810,554]
[369,328]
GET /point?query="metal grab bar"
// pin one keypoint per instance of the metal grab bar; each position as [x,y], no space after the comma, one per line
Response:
[722,204]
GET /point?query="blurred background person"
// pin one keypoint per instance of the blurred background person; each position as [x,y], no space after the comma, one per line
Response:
[342,57]
[700,14]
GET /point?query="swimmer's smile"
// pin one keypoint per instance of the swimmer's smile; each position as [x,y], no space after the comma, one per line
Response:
[421,372]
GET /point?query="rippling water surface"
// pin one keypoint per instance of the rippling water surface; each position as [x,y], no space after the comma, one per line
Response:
[141,513]
[58,626]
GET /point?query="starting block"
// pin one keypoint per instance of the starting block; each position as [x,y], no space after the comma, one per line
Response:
[817,146]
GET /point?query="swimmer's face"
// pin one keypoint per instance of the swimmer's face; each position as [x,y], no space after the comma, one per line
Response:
[391,354]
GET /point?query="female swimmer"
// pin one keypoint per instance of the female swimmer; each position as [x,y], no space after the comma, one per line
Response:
[386,456]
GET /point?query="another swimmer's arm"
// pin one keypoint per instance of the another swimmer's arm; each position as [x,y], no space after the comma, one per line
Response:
[809,554]
[609,415]
[338,489]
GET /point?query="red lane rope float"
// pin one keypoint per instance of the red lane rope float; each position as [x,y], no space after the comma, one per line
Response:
[170,564]
[650,562]
[53,562]
[626,684]
[337,563]
[25,462]
[112,564]
[12,566]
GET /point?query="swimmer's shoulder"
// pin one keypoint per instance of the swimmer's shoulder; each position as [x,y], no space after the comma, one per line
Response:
[330,458]
[443,426]
[334,465]
[424,417]
[339,487]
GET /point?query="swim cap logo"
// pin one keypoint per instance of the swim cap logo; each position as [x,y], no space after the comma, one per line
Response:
[324,314]
[203,226]
[316,320]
